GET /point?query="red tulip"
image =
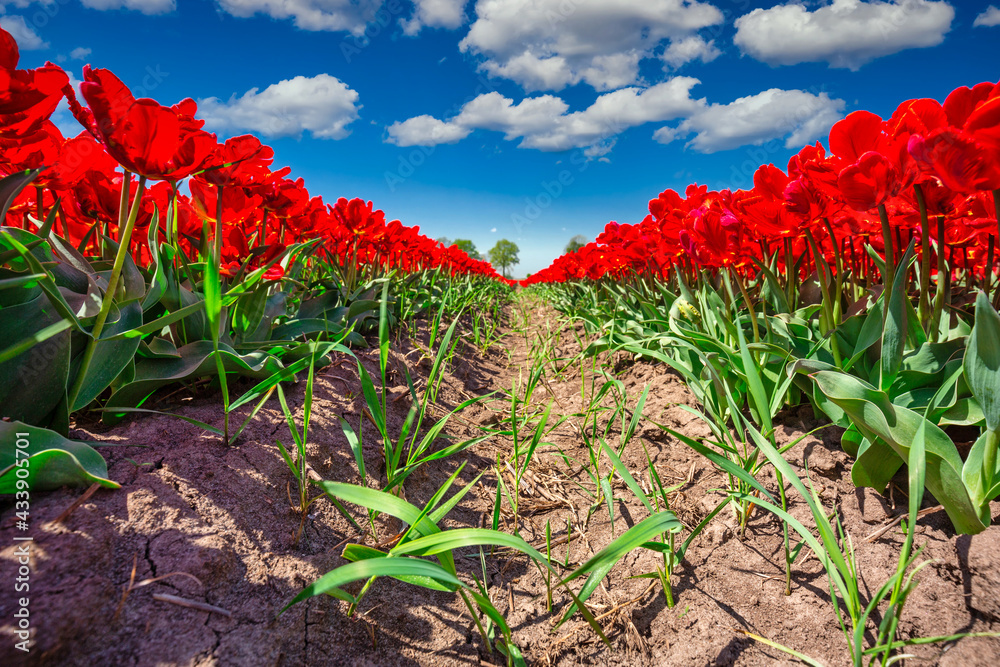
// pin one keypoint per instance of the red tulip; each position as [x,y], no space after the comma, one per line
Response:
[160,143]
[27,97]
[40,148]
[957,159]
[241,161]
[868,182]
[237,207]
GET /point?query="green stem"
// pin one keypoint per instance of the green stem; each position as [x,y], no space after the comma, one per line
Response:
[925,260]
[39,203]
[125,226]
[941,282]
[749,303]
[996,208]
[217,258]
[122,206]
[218,226]
[838,280]
[990,460]
[262,236]
[890,256]
[823,272]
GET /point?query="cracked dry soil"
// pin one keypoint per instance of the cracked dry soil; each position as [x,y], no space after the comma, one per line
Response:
[213,525]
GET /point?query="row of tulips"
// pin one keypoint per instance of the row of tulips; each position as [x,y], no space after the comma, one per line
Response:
[144,253]
[929,173]
[816,285]
[138,150]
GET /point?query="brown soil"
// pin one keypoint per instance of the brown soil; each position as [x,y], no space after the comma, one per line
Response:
[223,515]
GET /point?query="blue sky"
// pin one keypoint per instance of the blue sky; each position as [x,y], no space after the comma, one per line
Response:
[531,120]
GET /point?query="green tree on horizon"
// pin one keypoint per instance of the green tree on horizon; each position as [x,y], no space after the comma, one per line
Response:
[504,254]
[469,247]
[576,243]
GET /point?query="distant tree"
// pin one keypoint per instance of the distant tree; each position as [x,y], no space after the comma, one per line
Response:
[469,247]
[576,243]
[504,254]
[444,240]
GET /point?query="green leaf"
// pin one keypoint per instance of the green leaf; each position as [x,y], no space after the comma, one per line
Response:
[33,383]
[11,186]
[378,567]
[357,552]
[194,361]
[52,460]
[449,540]
[982,361]
[111,354]
[875,464]
[871,331]
[29,342]
[380,501]
[982,489]
[600,564]
[877,418]
[851,440]
[895,327]
[249,311]
[355,444]
[212,289]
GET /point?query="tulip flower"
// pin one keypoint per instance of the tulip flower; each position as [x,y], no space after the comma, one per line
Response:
[157,142]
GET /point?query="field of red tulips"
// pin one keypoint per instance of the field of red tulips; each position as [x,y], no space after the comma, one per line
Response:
[244,426]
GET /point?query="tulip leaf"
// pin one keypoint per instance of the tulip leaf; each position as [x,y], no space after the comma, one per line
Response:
[111,354]
[195,360]
[851,441]
[249,311]
[982,361]
[894,329]
[877,418]
[982,490]
[52,460]
[11,186]
[33,383]
[875,464]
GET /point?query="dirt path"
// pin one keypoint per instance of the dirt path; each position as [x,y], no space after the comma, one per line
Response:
[222,515]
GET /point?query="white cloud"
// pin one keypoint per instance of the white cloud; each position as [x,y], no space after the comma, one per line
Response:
[532,72]
[493,230]
[332,15]
[25,36]
[435,14]
[426,131]
[690,49]
[772,114]
[143,6]
[600,151]
[545,122]
[79,53]
[550,44]
[844,33]
[989,18]
[322,104]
